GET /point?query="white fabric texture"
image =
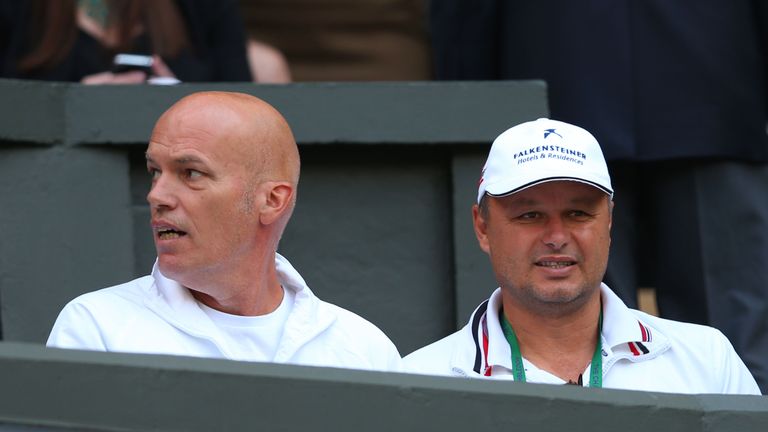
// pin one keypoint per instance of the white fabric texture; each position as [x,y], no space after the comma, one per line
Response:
[156,315]
[640,352]
[254,338]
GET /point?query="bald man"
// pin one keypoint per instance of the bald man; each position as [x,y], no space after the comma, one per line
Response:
[224,169]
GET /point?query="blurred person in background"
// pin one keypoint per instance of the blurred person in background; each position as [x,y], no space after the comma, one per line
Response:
[68,40]
[267,63]
[344,40]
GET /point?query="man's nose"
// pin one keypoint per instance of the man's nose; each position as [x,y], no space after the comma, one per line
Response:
[161,193]
[556,234]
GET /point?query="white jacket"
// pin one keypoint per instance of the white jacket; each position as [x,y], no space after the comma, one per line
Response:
[640,352]
[154,314]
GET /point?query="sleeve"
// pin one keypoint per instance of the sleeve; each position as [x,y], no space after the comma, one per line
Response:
[394,361]
[227,41]
[76,328]
[736,377]
[465,37]
[382,353]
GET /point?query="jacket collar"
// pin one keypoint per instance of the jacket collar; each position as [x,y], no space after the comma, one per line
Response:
[175,304]
[309,316]
[624,334]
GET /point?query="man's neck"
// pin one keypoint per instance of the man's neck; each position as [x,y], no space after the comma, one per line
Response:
[562,345]
[249,290]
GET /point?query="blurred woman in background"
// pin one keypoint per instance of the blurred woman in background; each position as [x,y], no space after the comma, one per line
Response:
[77,40]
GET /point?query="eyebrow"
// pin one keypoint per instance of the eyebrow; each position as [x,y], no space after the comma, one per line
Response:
[586,200]
[185,159]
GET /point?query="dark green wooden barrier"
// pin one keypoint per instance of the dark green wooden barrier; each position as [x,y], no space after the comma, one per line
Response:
[54,389]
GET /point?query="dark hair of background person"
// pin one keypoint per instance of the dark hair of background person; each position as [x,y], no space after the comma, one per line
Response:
[54,28]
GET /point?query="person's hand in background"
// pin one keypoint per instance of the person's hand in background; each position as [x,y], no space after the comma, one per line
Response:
[159,70]
[129,77]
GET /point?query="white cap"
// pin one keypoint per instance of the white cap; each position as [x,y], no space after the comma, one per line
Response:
[542,151]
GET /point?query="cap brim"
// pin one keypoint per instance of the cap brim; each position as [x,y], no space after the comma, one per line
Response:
[501,190]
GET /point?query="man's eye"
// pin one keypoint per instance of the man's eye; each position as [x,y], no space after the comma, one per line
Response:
[579,214]
[154,173]
[529,216]
[193,174]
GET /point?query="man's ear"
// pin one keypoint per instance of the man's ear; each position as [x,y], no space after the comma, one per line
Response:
[278,200]
[610,214]
[610,220]
[480,224]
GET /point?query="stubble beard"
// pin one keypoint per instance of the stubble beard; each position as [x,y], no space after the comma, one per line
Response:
[550,302]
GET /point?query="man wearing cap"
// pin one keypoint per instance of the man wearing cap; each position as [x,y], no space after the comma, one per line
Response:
[676,92]
[543,215]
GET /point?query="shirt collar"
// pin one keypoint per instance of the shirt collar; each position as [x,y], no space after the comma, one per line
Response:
[499,352]
[620,325]
[623,331]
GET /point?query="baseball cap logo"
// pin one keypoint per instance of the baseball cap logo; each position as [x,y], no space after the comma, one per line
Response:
[548,132]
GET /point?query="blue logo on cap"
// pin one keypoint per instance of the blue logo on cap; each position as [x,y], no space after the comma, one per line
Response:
[548,132]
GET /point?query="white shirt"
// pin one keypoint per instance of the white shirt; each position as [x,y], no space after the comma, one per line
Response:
[253,337]
[640,352]
[154,314]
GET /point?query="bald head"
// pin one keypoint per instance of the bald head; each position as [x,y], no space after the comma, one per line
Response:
[244,125]
[215,143]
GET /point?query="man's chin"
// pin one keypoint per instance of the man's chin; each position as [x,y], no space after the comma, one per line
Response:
[565,296]
[557,292]
[171,267]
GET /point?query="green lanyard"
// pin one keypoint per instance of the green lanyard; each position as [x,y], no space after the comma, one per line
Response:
[518,371]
